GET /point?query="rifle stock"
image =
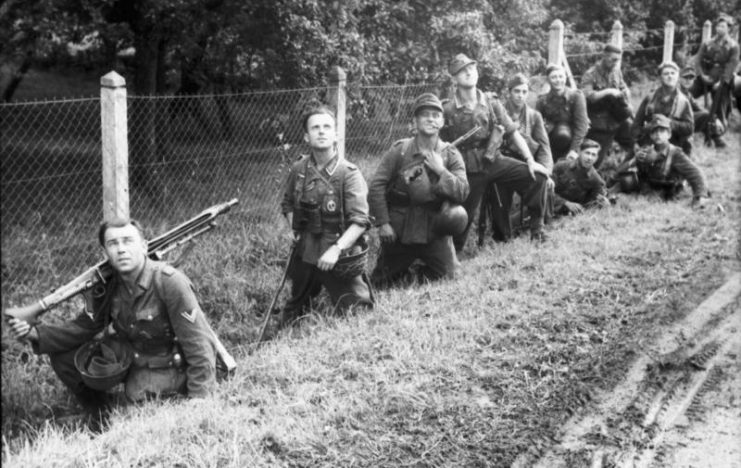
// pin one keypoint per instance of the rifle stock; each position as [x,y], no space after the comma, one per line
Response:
[101,272]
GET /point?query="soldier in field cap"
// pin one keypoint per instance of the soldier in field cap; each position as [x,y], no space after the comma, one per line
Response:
[608,102]
[484,162]
[578,185]
[415,196]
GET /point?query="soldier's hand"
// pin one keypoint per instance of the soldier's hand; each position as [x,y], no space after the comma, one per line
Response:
[699,203]
[541,169]
[387,234]
[329,258]
[572,155]
[550,184]
[574,208]
[20,329]
[531,167]
[433,161]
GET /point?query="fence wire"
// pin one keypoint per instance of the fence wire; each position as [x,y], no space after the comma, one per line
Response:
[186,153]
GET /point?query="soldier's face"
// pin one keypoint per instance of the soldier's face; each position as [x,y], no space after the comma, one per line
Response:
[321,133]
[125,248]
[610,60]
[587,157]
[518,95]
[660,135]
[557,80]
[468,76]
[428,121]
[669,77]
[721,28]
[687,81]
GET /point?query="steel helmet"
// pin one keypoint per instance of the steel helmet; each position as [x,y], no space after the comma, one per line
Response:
[451,220]
[560,137]
[103,364]
[628,181]
[352,263]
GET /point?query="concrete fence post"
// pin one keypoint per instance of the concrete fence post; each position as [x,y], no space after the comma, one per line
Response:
[115,151]
[668,41]
[616,35]
[338,99]
[555,43]
[707,30]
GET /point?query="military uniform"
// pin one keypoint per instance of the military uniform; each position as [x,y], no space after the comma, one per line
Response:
[391,203]
[667,168]
[576,184]
[485,164]
[609,117]
[174,349]
[700,116]
[532,128]
[671,103]
[568,109]
[324,202]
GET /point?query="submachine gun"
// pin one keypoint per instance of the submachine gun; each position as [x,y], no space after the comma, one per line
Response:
[100,273]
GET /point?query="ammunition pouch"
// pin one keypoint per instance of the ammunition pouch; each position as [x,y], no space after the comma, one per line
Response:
[172,359]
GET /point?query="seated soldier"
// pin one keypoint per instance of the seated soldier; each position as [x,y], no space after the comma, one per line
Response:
[578,185]
[608,103]
[667,100]
[414,197]
[663,166]
[529,124]
[564,111]
[700,116]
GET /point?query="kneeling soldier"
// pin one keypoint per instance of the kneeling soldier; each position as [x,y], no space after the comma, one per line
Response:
[578,185]
[413,197]
[325,203]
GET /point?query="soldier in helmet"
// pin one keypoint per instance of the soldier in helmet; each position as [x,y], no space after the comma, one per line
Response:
[663,166]
[715,64]
[578,185]
[700,115]
[482,155]
[415,198]
[325,203]
[667,100]
[608,103]
[564,111]
[150,309]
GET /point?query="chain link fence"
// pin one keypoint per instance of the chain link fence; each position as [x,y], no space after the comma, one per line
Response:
[186,153]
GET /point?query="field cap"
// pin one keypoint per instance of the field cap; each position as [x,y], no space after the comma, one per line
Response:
[587,143]
[668,64]
[660,121]
[612,48]
[517,80]
[551,68]
[688,71]
[724,17]
[458,63]
[427,100]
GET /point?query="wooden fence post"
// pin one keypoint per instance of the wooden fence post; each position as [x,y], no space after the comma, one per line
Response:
[115,149]
[707,30]
[616,35]
[668,41]
[338,99]
[555,43]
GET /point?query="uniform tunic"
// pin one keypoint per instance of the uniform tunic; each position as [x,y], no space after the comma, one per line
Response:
[671,103]
[159,318]
[576,184]
[569,108]
[390,203]
[667,167]
[532,128]
[718,58]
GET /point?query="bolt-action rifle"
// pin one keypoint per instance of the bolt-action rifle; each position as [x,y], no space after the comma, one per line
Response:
[99,274]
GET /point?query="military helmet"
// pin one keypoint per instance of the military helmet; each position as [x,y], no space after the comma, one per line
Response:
[560,137]
[451,220]
[353,263]
[628,181]
[103,364]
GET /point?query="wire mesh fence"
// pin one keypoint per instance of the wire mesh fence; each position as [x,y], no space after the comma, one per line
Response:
[186,153]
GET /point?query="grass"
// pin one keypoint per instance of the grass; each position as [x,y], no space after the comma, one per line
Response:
[468,372]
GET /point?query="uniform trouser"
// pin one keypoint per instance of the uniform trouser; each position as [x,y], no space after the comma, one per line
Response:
[622,135]
[510,175]
[395,258]
[307,281]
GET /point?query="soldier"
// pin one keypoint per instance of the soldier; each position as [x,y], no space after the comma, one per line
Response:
[149,309]
[700,115]
[667,100]
[482,154]
[325,203]
[565,113]
[715,64]
[608,103]
[663,166]
[529,121]
[413,198]
[578,185]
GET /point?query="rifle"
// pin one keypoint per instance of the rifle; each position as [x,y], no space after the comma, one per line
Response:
[100,273]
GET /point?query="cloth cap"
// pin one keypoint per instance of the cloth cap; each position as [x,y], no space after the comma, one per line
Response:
[660,121]
[689,71]
[612,48]
[668,64]
[587,143]
[517,80]
[427,100]
[458,63]
[724,17]
[551,68]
